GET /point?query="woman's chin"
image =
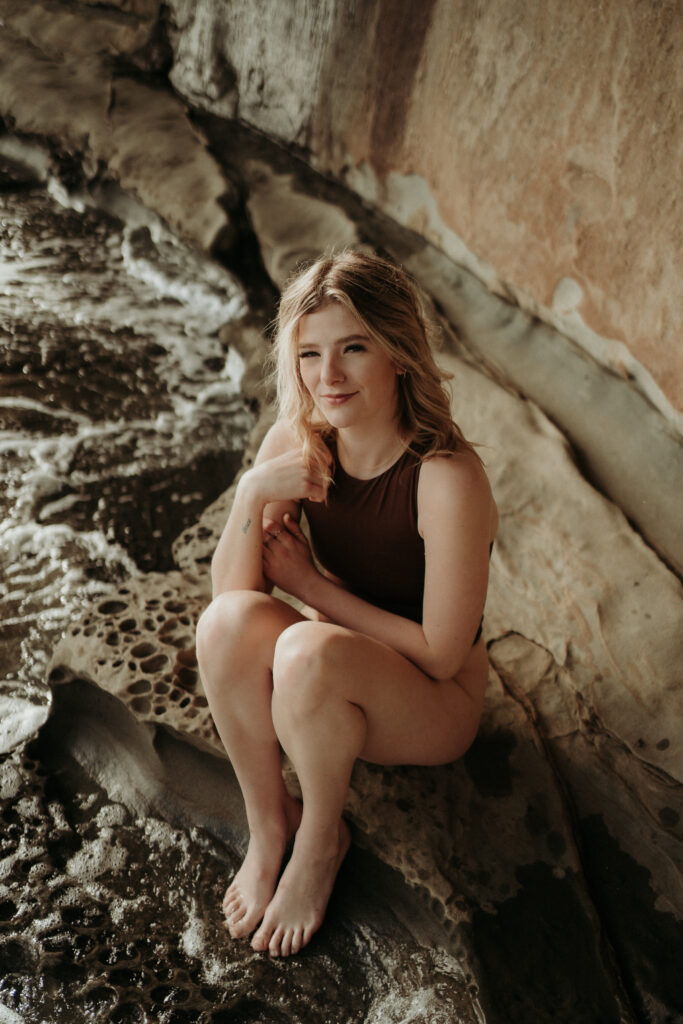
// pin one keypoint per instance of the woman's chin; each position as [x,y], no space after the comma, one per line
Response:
[339,416]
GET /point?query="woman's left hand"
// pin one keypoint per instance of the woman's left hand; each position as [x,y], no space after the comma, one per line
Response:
[287,560]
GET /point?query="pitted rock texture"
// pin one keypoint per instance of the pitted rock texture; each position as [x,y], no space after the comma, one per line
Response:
[552,851]
[74,944]
[138,643]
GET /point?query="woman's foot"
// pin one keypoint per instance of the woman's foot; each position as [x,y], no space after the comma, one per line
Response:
[297,909]
[252,888]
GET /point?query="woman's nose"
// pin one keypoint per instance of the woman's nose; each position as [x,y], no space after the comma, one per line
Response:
[331,369]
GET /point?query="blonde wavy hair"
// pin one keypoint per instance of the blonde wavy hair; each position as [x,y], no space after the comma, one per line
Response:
[388,305]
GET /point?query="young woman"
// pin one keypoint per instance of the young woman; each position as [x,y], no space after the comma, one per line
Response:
[386,662]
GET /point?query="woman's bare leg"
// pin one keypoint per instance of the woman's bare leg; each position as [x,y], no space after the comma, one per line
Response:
[338,696]
[323,735]
[236,639]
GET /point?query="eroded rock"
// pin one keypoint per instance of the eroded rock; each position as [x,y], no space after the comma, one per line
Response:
[292,227]
[138,643]
[58,81]
[109,911]
[571,744]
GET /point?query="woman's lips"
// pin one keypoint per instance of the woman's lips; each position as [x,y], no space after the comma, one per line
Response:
[338,399]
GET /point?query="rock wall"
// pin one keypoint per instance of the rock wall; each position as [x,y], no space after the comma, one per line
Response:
[537,143]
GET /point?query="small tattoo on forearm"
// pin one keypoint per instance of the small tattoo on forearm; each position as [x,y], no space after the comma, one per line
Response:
[245,526]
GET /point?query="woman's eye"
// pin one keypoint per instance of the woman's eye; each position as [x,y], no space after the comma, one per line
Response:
[355,348]
[305,355]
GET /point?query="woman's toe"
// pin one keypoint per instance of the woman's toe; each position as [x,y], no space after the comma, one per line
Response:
[286,944]
[260,940]
[230,900]
[275,944]
[240,929]
[235,912]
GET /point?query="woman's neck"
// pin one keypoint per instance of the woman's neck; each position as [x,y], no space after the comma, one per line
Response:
[364,457]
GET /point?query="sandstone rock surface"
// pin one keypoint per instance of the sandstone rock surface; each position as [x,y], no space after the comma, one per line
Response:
[538,145]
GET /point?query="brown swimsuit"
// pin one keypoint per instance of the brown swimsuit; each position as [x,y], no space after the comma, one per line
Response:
[366,535]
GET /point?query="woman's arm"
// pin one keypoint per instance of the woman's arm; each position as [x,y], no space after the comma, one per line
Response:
[274,485]
[457,519]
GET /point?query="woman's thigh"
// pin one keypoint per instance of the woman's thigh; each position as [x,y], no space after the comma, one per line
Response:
[411,718]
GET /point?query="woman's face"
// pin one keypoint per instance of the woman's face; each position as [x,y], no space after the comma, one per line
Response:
[350,379]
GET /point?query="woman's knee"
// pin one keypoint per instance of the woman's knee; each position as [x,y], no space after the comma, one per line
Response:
[305,660]
[231,617]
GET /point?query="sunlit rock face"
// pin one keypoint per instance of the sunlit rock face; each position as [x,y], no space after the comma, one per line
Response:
[541,139]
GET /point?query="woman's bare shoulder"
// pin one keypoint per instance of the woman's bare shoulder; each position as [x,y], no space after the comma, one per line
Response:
[461,470]
[453,483]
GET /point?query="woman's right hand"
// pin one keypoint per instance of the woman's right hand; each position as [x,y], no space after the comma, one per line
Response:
[286,477]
